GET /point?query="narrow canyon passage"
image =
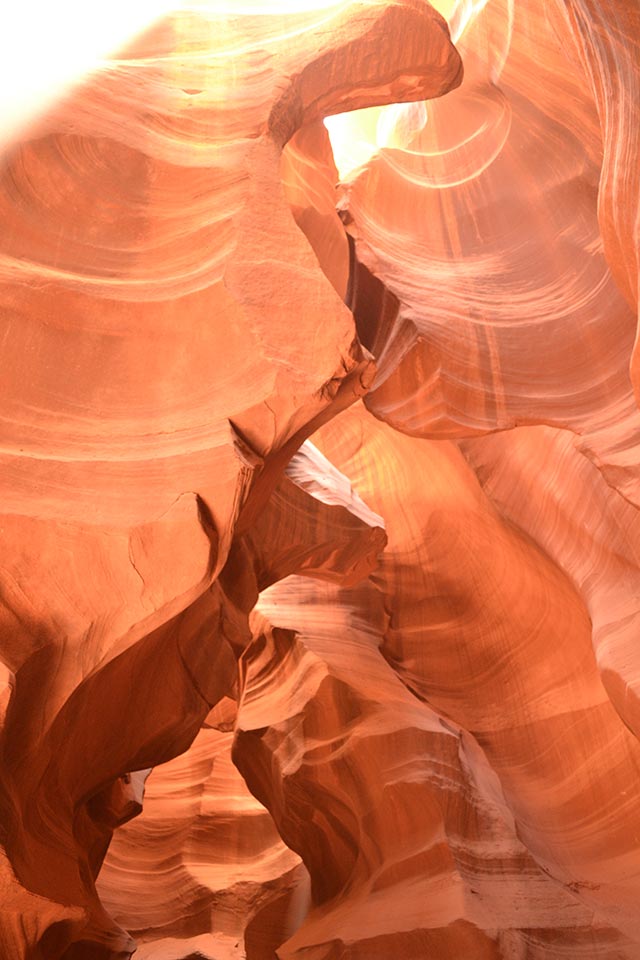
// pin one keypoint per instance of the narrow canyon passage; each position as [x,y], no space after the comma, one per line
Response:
[320,477]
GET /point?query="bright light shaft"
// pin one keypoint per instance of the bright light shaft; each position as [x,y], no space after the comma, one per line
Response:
[46,46]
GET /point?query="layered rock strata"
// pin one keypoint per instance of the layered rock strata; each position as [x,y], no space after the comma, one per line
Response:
[374,693]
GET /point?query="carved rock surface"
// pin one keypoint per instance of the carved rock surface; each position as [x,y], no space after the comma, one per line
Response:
[155,389]
[367,694]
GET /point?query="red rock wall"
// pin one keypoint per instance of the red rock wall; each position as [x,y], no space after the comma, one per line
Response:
[374,694]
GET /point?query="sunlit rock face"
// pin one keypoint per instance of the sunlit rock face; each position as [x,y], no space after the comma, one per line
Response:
[320,487]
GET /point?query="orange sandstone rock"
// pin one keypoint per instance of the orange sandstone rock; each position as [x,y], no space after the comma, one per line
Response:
[381,689]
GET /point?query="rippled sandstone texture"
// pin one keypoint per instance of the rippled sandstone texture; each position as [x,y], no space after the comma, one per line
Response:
[386,680]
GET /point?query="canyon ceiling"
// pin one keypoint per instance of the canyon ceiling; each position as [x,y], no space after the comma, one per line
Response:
[320,487]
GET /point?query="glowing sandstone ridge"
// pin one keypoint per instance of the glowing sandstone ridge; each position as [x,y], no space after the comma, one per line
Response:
[320,577]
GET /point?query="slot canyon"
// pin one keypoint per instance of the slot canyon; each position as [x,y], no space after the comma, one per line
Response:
[320,480]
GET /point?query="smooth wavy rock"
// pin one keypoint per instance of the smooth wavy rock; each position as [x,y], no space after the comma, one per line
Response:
[395,810]
[486,629]
[216,876]
[163,360]
[506,231]
[536,472]
[202,870]
[375,693]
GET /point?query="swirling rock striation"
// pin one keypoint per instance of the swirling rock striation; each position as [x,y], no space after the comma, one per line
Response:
[375,693]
